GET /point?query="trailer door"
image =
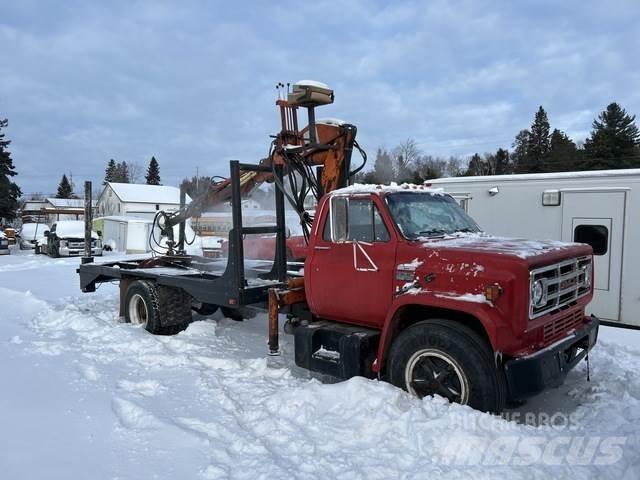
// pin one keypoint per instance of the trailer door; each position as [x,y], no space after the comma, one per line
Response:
[597,218]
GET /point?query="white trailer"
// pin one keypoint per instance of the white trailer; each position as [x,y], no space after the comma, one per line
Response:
[126,234]
[601,208]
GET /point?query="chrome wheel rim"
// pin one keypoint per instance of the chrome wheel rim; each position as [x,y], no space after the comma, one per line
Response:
[138,313]
[434,372]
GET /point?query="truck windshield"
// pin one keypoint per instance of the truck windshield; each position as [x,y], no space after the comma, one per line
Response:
[421,214]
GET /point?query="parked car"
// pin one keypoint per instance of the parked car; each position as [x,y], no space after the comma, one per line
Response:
[10,235]
[29,234]
[66,238]
[4,244]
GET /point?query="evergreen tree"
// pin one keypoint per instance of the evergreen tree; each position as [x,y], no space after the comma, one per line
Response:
[501,162]
[539,143]
[563,154]
[9,191]
[614,140]
[65,190]
[153,172]
[383,167]
[520,155]
[121,174]
[478,166]
[110,172]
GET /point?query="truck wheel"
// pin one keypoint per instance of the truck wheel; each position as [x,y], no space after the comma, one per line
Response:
[445,358]
[161,310]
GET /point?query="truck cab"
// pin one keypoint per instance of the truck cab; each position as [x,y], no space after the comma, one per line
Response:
[402,284]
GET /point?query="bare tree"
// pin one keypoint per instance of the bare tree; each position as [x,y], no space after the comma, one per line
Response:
[135,172]
[454,167]
[405,155]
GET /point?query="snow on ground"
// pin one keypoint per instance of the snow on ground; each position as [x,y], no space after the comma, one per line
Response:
[84,396]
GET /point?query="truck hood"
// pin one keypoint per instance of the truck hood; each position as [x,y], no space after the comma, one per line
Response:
[532,251]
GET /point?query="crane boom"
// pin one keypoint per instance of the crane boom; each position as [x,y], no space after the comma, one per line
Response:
[326,144]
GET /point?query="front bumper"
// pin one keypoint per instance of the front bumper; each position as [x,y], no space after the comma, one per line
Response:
[68,252]
[547,368]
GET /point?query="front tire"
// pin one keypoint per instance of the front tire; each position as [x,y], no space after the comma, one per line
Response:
[160,310]
[448,359]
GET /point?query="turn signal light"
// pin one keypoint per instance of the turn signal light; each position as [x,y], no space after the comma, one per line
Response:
[492,292]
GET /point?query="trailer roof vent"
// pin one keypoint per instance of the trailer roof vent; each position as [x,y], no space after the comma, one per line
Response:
[551,198]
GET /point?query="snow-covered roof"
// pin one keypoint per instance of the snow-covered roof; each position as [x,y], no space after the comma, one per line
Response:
[378,189]
[66,202]
[34,204]
[142,193]
[538,176]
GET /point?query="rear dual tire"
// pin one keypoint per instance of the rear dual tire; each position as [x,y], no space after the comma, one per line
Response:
[448,359]
[160,310]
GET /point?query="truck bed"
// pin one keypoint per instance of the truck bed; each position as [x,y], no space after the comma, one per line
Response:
[212,281]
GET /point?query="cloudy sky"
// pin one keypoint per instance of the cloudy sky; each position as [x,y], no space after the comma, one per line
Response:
[193,82]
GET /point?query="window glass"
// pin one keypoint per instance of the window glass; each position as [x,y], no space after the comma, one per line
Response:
[419,214]
[339,219]
[354,219]
[595,235]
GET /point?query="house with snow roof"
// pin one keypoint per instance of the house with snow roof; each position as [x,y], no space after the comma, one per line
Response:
[137,200]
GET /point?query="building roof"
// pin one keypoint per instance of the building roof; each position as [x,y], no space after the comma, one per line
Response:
[67,202]
[142,193]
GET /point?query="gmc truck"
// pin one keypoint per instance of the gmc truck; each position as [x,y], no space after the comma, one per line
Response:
[398,282]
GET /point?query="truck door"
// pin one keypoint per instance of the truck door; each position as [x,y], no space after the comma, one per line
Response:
[352,263]
[597,218]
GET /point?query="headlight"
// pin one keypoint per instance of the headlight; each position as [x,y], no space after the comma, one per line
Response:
[538,294]
[588,272]
[63,243]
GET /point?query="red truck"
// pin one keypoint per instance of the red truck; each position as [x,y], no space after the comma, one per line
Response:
[398,282]
[443,307]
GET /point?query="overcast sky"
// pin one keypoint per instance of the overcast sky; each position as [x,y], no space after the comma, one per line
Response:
[193,83]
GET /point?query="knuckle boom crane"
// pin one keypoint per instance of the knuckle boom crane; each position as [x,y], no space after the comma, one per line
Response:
[325,144]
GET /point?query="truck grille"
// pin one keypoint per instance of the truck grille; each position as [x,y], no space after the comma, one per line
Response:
[562,283]
[556,329]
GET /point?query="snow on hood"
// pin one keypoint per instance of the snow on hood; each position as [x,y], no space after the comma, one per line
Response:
[72,229]
[518,247]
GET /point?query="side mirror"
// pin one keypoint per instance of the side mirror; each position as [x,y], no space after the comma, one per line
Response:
[46,233]
[287,233]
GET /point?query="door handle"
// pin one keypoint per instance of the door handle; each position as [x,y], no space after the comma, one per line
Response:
[318,247]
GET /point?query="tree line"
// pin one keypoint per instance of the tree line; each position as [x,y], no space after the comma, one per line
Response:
[614,142]
[116,172]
